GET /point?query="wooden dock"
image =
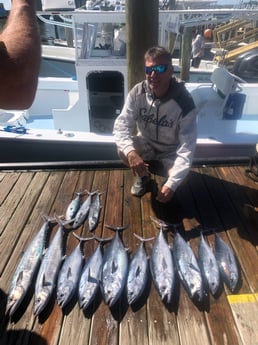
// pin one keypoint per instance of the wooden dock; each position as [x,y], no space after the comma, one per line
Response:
[220,198]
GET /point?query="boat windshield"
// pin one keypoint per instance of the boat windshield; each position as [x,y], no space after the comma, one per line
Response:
[100,40]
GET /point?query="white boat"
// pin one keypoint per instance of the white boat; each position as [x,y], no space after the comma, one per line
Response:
[71,119]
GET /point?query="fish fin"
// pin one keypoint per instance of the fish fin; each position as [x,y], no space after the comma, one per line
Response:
[44,282]
[69,273]
[19,278]
[137,271]
[194,267]
[114,267]
[164,263]
[91,279]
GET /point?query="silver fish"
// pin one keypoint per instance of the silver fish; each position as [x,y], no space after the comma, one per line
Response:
[83,212]
[27,268]
[70,272]
[208,266]
[94,212]
[188,268]
[227,263]
[137,272]
[74,206]
[114,269]
[90,278]
[162,267]
[49,268]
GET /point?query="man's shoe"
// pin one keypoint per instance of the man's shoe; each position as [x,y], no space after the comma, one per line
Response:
[140,186]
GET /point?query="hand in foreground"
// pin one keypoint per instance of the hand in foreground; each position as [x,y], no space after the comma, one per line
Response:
[165,194]
[137,165]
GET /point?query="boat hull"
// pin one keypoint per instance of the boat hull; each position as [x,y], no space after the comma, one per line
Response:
[25,151]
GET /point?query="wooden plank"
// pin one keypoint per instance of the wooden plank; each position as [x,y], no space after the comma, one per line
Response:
[51,330]
[162,322]
[245,250]
[34,223]
[75,328]
[43,325]
[213,197]
[134,326]
[8,206]
[25,319]
[190,314]
[17,209]
[249,209]
[245,309]
[105,321]
[7,181]
[202,210]
[242,249]
[74,317]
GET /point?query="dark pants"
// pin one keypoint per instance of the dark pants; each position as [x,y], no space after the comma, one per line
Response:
[196,62]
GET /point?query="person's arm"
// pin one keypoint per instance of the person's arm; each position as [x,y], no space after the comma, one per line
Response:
[184,157]
[125,125]
[20,53]
[185,152]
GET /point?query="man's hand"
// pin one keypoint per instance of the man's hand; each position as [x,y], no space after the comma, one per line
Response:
[137,165]
[165,194]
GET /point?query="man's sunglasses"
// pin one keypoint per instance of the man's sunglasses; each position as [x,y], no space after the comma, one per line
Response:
[158,69]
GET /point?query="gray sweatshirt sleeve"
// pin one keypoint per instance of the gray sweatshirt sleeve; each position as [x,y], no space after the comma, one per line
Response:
[180,167]
[125,125]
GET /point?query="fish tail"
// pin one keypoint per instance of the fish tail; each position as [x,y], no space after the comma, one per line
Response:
[165,225]
[83,239]
[48,218]
[81,193]
[142,239]
[64,223]
[102,240]
[116,228]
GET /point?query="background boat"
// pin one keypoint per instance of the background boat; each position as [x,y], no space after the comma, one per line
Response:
[72,117]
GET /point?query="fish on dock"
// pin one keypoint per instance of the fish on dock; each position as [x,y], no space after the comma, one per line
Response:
[83,211]
[187,267]
[137,272]
[70,272]
[89,282]
[162,265]
[49,268]
[208,266]
[74,206]
[28,267]
[227,263]
[94,212]
[114,268]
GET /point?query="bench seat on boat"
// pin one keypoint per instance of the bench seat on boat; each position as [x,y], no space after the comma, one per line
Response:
[210,99]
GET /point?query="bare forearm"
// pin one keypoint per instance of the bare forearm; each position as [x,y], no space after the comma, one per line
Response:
[19,56]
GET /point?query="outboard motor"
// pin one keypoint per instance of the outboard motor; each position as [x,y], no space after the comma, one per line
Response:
[246,66]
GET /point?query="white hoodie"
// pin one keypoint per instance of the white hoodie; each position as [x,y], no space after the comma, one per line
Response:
[167,124]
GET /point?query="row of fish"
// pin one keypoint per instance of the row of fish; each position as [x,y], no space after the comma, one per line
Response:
[198,276]
[111,271]
[78,211]
[76,214]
